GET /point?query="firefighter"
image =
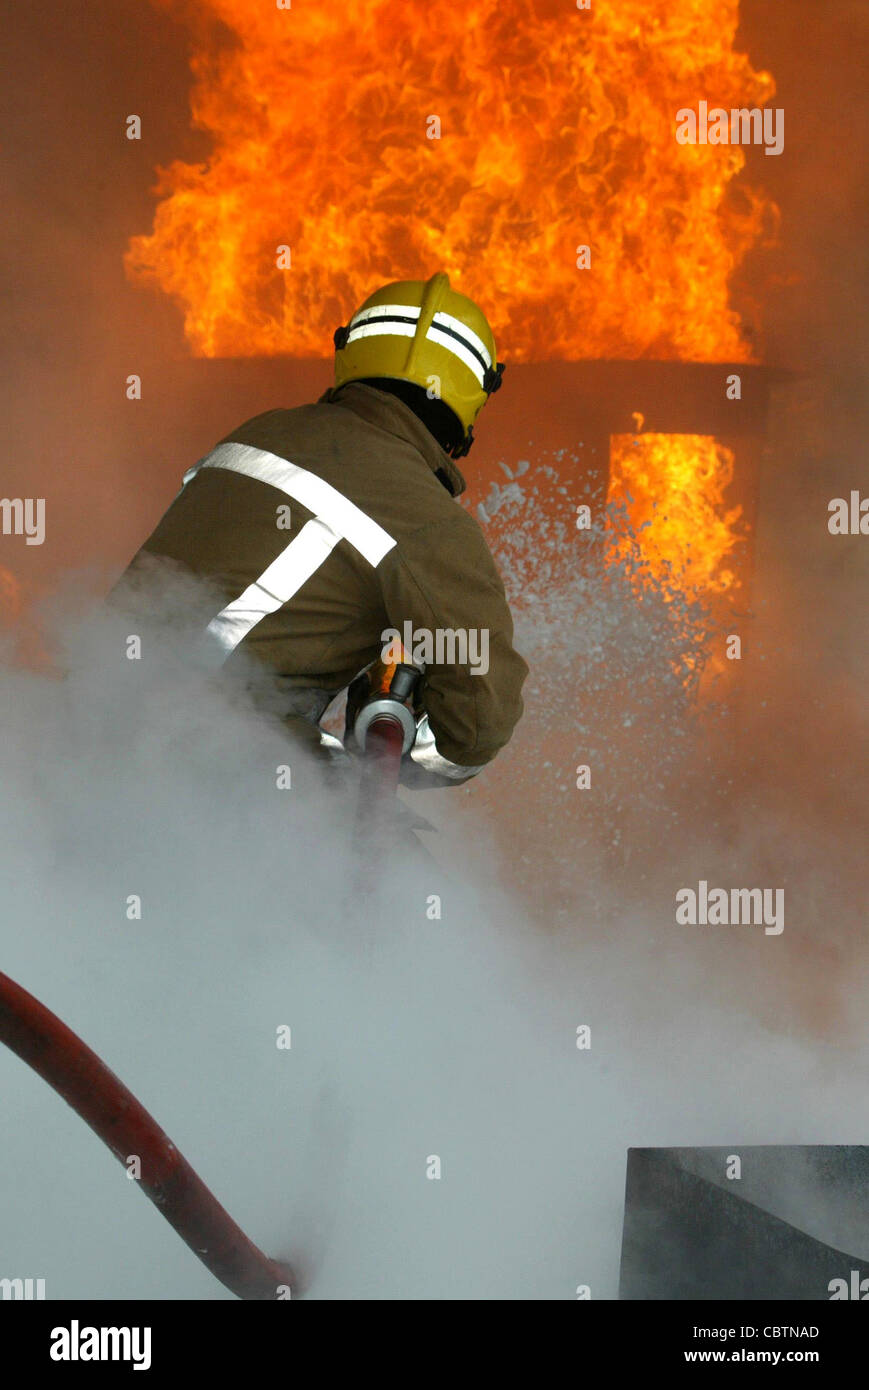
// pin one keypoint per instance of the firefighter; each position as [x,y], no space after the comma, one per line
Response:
[319,530]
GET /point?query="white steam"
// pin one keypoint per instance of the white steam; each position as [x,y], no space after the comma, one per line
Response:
[411,1036]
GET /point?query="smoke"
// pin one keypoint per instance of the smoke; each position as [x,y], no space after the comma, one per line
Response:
[414,1035]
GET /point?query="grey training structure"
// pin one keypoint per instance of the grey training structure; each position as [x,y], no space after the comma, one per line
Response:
[794,1221]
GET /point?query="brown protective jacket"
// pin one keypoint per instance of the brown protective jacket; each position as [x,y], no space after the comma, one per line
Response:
[328,524]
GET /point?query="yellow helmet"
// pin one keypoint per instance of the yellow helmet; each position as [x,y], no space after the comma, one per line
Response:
[423,332]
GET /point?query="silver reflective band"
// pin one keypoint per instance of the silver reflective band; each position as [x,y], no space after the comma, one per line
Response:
[412,311]
[336,518]
[330,506]
[464,354]
[425,754]
[407,330]
[463,331]
[377,329]
[275,586]
[461,341]
[405,311]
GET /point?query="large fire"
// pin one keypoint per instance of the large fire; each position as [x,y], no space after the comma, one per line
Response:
[493,139]
[556,130]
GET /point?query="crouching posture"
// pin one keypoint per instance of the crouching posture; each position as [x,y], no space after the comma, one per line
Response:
[329,533]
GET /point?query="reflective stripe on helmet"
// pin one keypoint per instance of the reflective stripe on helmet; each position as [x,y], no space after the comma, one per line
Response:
[398,327]
[465,335]
[446,330]
[394,311]
[409,313]
[443,336]
[445,339]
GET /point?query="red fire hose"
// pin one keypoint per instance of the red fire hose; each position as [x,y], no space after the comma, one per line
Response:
[77,1074]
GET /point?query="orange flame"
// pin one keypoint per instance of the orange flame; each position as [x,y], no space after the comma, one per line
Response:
[556,130]
[673,488]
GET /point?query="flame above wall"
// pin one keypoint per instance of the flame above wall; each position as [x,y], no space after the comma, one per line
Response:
[557,130]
